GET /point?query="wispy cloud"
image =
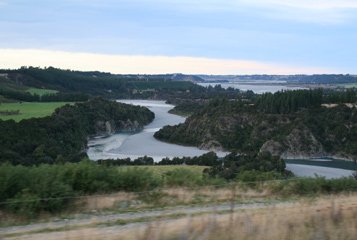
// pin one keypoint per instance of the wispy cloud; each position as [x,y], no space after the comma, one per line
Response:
[313,4]
[15,58]
[318,11]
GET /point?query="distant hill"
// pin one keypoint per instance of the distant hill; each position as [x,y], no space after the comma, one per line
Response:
[183,77]
[14,84]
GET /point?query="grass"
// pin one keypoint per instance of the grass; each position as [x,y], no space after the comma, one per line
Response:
[29,110]
[41,92]
[323,219]
[327,217]
[162,170]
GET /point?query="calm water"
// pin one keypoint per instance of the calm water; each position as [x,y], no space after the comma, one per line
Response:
[256,88]
[124,145]
[329,168]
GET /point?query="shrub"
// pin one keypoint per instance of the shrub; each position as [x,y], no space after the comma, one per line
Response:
[311,186]
[183,177]
[135,179]
[255,176]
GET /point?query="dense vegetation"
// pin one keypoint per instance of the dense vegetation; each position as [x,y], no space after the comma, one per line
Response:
[54,188]
[233,165]
[292,101]
[208,159]
[29,190]
[286,123]
[229,167]
[63,136]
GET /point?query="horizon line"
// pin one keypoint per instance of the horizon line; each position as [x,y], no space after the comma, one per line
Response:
[151,65]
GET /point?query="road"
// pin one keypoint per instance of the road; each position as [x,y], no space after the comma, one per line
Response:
[101,222]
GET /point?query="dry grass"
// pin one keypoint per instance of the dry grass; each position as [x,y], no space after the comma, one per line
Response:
[169,197]
[326,218]
[104,202]
[333,217]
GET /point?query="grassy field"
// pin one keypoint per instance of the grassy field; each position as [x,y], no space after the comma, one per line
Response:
[161,170]
[40,91]
[29,110]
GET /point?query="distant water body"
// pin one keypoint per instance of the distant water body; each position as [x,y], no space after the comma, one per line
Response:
[123,145]
[256,88]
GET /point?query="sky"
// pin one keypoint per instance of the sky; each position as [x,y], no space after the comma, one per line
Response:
[186,36]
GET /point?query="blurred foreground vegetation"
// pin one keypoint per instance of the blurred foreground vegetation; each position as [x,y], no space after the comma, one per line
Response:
[53,188]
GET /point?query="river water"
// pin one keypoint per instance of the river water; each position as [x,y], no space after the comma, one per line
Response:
[256,88]
[134,145]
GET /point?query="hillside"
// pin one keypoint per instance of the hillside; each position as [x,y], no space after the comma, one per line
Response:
[306,131]
[63,136]
[28,84]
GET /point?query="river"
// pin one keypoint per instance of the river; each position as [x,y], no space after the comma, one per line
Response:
[256,88]
[134,145]
[123,145]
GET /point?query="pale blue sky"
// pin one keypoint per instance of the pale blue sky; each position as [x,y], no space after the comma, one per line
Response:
[300,35]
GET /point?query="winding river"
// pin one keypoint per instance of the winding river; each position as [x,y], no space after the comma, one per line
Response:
[134,145]
[123,145]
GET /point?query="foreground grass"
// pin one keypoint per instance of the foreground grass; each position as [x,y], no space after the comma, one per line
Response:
[40,91]
[30,109]
[324,217]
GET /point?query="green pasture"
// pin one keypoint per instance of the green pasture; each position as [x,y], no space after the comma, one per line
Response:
[29,109]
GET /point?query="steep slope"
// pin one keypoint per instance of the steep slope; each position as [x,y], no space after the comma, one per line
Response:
[311,132]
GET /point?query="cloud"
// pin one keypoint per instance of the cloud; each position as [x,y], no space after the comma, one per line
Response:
[15,58]
[313,4]
[315,11]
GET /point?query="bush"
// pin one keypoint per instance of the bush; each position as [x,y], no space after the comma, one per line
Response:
[311,186]
[24,203]
[255,176]
[136,179]
[29,190]
[183,177]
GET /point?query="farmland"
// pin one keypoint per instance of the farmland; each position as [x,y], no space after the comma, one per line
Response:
[29,110]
